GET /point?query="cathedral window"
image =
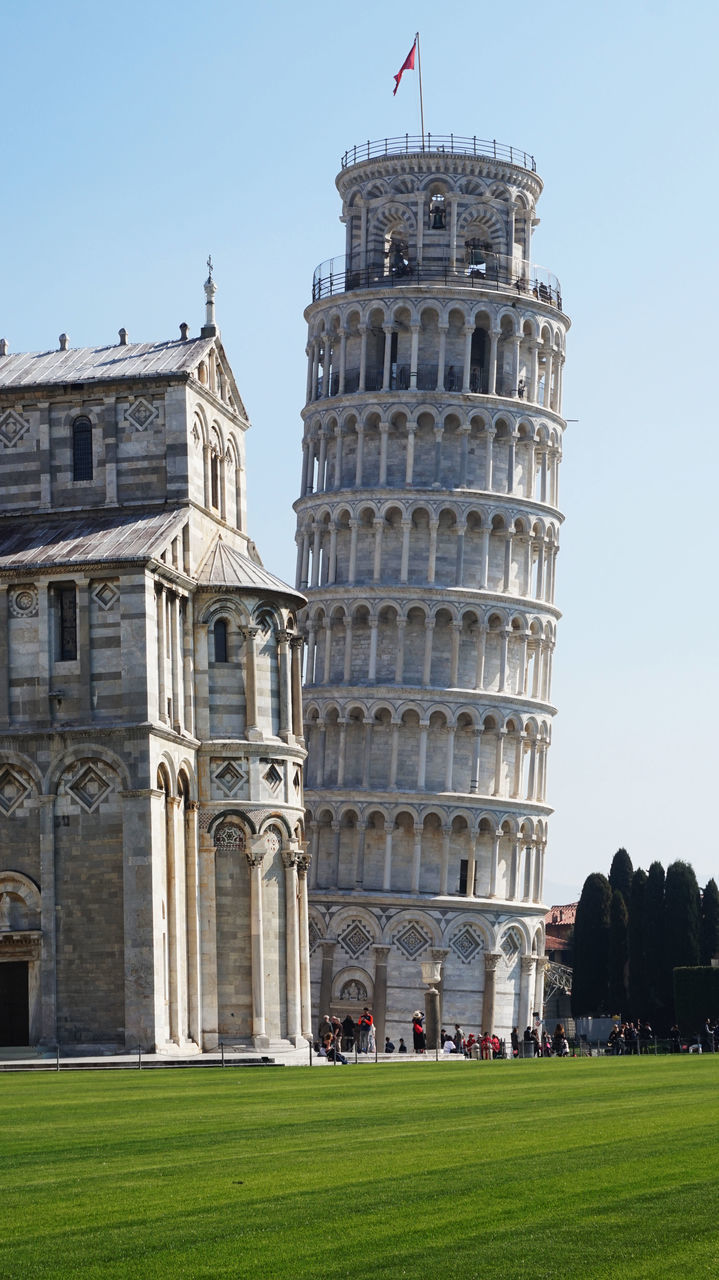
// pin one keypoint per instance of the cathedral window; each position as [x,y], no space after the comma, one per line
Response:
[220,637]
[82,449]
[215,480]
[67,624]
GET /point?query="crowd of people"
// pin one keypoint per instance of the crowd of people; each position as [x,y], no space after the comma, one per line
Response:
[336,1038]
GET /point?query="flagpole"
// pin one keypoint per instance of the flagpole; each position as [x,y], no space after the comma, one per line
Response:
[421,104]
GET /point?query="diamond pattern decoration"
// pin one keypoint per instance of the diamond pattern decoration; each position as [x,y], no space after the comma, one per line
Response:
[297,779]
[314,935]
[141,414]
[511,946]
[466,944]
[13,789]
[106,595]
[231,777]
[89,788]
[412,940]
[273,777]
[12,428]
[355,939]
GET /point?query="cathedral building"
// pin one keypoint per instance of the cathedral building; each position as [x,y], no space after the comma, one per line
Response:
[153,881]
[427,529]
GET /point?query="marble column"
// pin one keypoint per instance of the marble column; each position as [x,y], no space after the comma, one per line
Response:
[292,947]
[379,1011]
[491,960]
[255,855]
[303,864]
[328,951]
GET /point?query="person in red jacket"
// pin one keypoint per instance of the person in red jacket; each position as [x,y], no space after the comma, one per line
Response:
[365,1022]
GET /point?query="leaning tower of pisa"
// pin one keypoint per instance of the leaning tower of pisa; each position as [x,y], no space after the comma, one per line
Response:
[428,529]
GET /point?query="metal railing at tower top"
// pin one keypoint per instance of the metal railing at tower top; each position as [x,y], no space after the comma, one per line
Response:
[438,143]
[497,272]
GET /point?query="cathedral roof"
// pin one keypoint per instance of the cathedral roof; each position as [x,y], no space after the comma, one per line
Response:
[226,567]
[50,543]
[102,364]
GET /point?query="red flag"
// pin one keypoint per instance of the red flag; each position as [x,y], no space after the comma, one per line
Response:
[407,65]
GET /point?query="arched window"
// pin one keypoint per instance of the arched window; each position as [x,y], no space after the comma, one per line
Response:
[82,449]
[220,634]
[215,480]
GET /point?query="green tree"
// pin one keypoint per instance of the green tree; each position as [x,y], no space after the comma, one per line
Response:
[682,912]
[653,945]
[638,992]
[590,985]
[618,953]
[620,875]
[709,924]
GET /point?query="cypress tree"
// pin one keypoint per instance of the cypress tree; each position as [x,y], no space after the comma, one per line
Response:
[590,984]
[682,912]
[638,993]
[620,875]
[618,953]
[709,925]
[653,947]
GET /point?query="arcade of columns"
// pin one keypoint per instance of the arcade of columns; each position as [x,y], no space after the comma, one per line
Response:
[427,540]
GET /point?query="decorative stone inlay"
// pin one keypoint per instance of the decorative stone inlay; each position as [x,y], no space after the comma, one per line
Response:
[510,946]
[13,789]
[12,427]
[229,838]
[273,777]
[297,780]
[231,777]
[412,940]
[273,840]
[315,935]
[141,414]
[89,788]
[23,601]
[106,595]
[355,939]
[466,944]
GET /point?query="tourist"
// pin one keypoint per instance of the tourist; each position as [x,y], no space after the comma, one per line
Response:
[402,1048]
[418,1035]
[324,1027]
[558,1038]
[366,1022]
[388,1046]
[348,1032]
[336,1031]
[371,1038]
[332,1052]
[458,1038]
[448,1045]
[515,1042]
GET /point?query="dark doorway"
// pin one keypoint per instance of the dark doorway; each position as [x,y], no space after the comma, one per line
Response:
[14,1015]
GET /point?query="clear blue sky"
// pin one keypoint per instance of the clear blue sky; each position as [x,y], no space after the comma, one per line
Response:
[139,137]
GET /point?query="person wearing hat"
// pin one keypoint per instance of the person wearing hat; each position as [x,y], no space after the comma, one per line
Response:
[418,1032]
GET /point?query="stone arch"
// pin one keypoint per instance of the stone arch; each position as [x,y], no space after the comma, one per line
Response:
[20,902]
[86,751]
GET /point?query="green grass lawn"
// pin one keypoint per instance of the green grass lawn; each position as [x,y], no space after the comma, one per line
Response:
[587,1167]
